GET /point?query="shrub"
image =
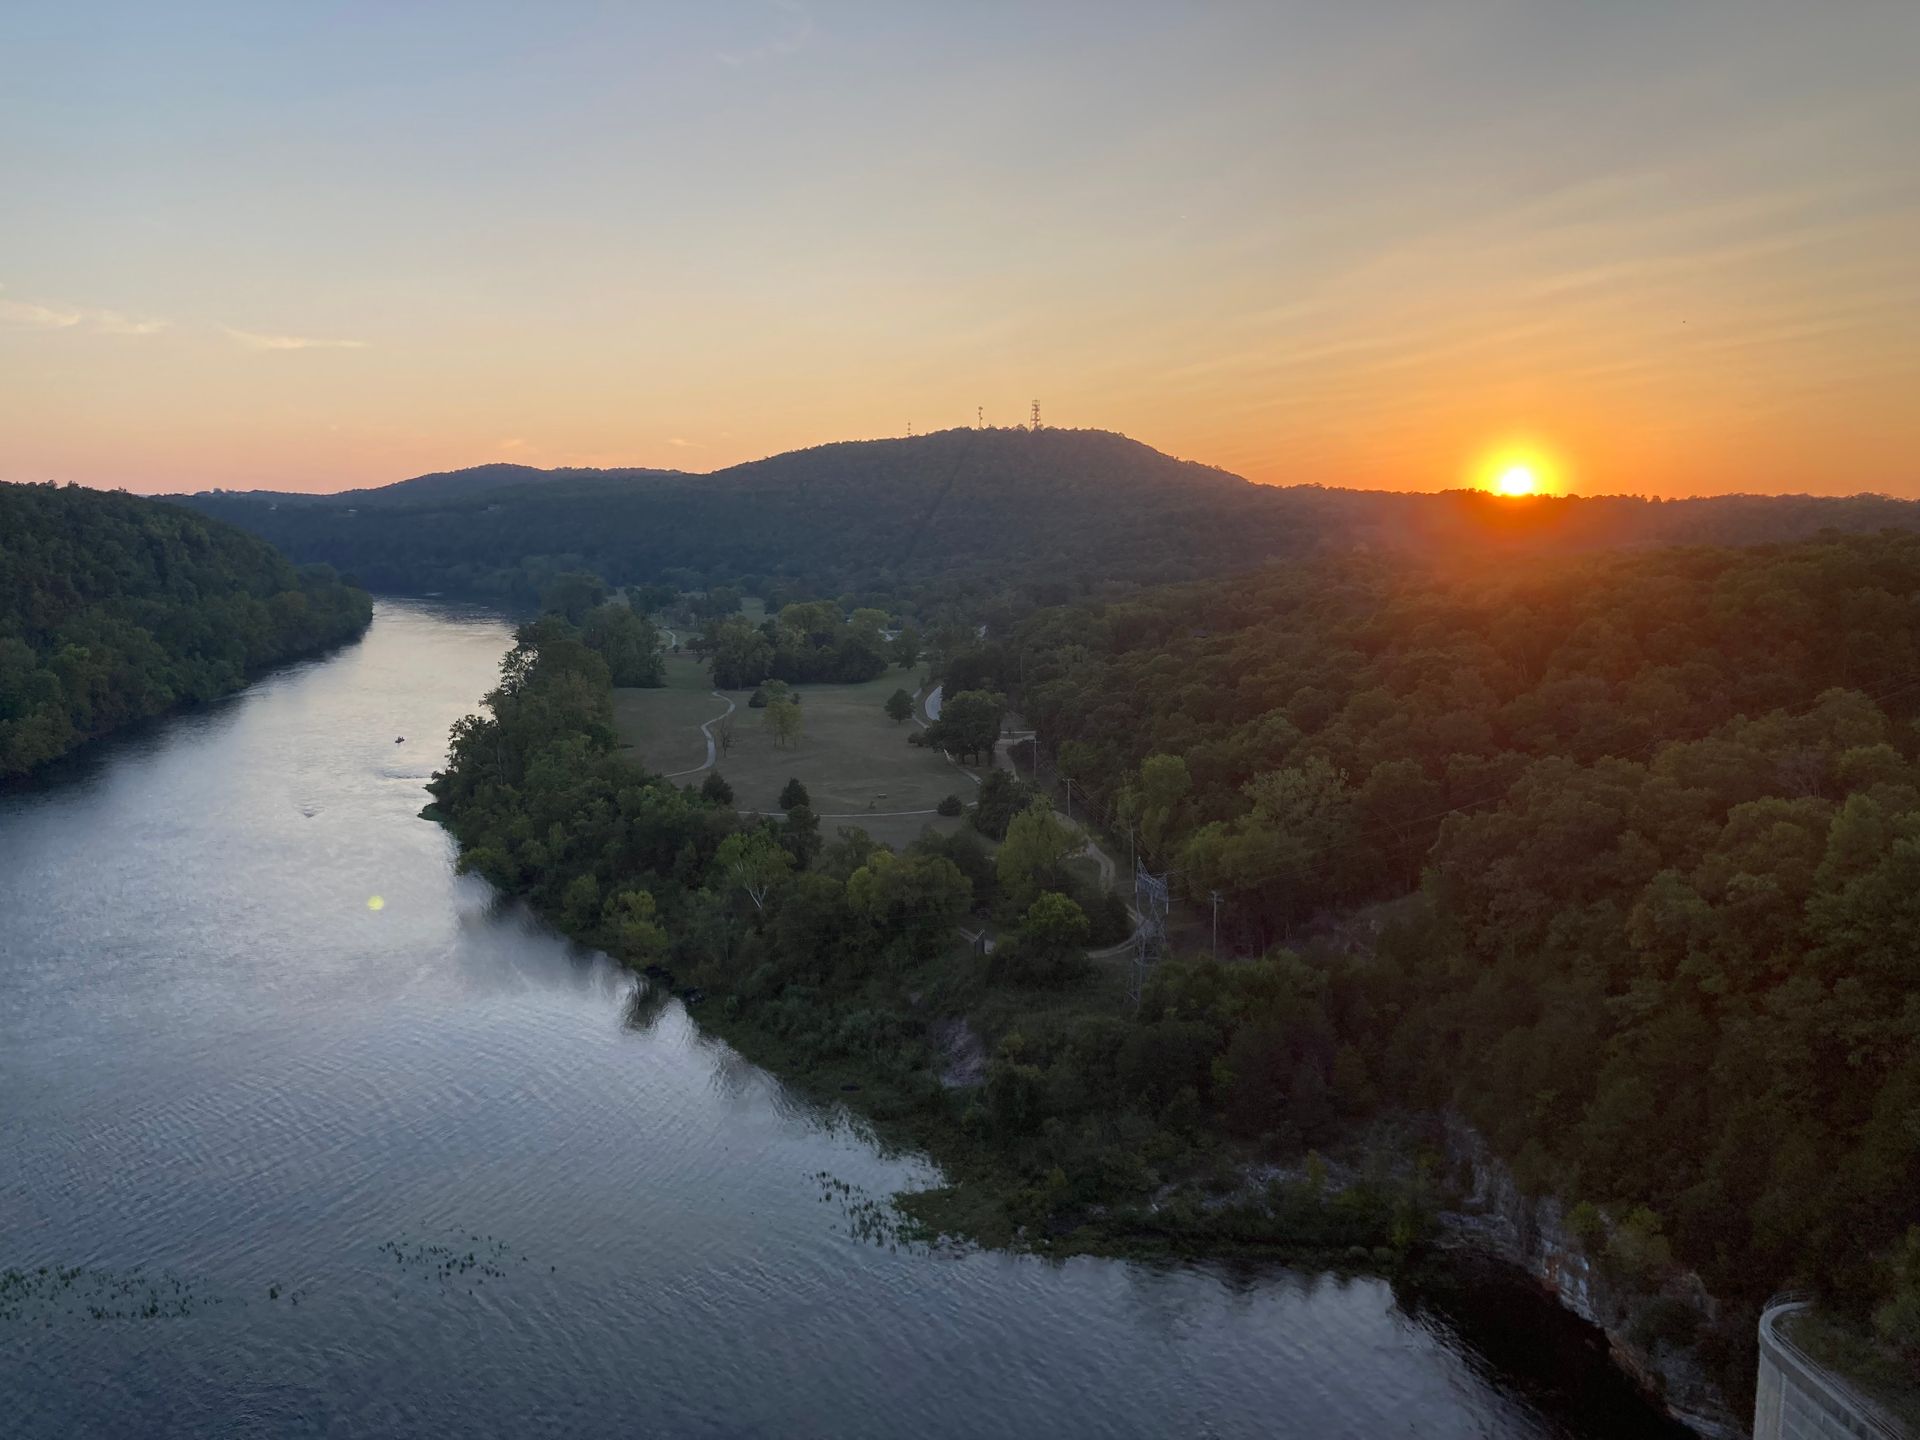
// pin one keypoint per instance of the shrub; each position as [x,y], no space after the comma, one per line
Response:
[950,806]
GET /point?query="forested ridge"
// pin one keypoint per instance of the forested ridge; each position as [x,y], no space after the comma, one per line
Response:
[1658,815]
[960,515]
[114,608]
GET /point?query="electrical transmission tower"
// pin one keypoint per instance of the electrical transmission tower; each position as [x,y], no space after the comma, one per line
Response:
[1150,940]
[1036,415]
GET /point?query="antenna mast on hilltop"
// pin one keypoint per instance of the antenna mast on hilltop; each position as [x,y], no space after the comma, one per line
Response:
[979,417]
[1036,414]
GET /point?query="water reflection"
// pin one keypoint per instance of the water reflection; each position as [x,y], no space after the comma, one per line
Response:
[218,1065]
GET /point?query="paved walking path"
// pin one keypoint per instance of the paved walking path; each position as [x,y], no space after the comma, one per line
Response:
[706,729]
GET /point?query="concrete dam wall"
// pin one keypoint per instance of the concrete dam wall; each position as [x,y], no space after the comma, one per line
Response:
[1797,1399]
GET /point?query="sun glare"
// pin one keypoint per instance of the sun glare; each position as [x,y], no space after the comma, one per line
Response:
[1518,470]
[1516,480]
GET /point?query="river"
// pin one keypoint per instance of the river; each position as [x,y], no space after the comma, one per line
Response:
[319,1138]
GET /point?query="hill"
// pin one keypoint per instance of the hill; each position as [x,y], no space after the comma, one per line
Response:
[1055,513]
[444,486]
[114,608]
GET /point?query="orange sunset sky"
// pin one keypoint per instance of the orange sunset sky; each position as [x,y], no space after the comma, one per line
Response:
[1668,248]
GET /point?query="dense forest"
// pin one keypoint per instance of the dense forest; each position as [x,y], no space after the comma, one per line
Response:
[806,641]
[1045,516]
[115,608]
[1644,836]
[1089,1122]
[1616,858]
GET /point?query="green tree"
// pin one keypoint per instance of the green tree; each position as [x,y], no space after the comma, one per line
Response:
[1032,857]
[969,725]
[800,834]
[793,793]
[785,721]
[574,595]
[632,916]
[753,862]
[627,642]
[900,706]
[905,649]
[916,898]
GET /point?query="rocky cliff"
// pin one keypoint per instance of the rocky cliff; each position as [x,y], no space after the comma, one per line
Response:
[1650,1331]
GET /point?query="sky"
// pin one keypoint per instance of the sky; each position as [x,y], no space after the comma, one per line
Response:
[1662,248]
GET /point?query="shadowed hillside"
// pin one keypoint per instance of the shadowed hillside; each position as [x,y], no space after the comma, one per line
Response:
[1054,512]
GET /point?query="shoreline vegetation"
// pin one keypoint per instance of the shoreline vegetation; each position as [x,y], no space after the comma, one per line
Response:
[1612,863]
[839,966]
[116,609]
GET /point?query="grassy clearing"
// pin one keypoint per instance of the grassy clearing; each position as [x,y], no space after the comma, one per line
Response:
[855,762]
[661,728]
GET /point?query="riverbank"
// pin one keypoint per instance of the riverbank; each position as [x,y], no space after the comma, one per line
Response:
[224,1067]
[1214,1116]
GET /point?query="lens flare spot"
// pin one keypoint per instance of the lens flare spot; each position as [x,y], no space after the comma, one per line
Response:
[374,902]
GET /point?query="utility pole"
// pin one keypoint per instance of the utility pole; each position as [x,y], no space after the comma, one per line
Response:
[1216,925]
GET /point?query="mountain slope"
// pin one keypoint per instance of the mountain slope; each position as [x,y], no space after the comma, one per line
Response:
[1054,511]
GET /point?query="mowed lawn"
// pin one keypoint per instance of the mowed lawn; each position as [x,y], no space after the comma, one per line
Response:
[856,763]
[661,728]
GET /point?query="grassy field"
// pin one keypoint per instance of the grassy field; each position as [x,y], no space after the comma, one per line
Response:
[661,728]
[855,762]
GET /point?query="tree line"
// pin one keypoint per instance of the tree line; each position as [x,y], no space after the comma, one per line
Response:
[115,608]
[961,516]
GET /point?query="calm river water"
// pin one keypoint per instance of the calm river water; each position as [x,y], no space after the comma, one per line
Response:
[303,1166]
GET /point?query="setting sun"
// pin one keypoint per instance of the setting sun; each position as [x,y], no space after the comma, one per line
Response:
[1519,468]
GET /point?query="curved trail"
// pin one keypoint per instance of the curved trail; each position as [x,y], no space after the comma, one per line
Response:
[706,729]
[931,704]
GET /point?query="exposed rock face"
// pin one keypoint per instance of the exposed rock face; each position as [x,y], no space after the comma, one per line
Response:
[1533,1234]
[964,1058]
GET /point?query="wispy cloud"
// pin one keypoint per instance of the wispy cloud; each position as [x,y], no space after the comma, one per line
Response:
[253,340]
[794,33]
[679,443]
[84,319]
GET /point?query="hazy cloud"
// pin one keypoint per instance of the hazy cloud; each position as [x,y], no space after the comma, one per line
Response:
[684,444]
[31,315]
[252,340]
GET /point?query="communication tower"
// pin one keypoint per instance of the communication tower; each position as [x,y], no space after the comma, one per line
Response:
[1150,939]
[979,417]
[1036,415]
